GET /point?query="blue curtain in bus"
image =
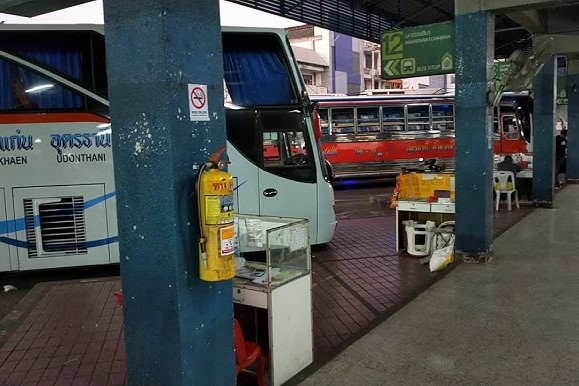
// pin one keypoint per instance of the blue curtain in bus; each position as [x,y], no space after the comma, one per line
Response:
[6,95]
[41,92]
[66,62]
[257,78]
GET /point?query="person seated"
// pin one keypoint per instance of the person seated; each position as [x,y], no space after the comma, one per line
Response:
[507,165]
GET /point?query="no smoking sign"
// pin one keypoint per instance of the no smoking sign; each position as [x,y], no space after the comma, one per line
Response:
[198,109]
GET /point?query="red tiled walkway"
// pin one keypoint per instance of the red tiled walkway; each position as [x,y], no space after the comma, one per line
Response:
[359,279]
[74,334]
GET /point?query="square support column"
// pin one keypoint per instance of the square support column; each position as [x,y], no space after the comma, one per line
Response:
[544,88]
[178,329]
[474,54]
[573,129]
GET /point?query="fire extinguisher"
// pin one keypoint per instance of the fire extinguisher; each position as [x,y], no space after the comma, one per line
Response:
[216,220]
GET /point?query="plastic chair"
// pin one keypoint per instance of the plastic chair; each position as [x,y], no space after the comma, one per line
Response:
[247,353]
[504,182]
[119,296]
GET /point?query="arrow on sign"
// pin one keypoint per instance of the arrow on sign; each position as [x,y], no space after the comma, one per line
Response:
[391,67]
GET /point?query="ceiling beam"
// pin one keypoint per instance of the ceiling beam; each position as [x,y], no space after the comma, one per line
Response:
[31,8]
[562,20]
[562,44]
[429,3]
[530,19]
[462,7]
[573,65]
[492,5]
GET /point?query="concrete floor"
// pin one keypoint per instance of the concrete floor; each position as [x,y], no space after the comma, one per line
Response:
[512,321]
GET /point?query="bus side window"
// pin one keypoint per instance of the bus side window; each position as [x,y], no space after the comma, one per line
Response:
[510,127]
[26,90]
[496,133]
[242,133]
[368,119]
[393,118]
[418,117]
[271,149]
[281,149]
[443,117]
[343,120]
[324,121]
[286,150]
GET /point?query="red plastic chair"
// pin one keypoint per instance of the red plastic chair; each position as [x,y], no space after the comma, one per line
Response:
[247,353]
[119,296]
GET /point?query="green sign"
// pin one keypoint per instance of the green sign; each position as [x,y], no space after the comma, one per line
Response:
[418,51]
[501,72]
[562,98]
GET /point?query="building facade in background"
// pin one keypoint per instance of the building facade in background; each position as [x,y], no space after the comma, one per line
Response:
[334,63]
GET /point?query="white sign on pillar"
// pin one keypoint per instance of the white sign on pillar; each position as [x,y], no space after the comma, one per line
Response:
[198,109]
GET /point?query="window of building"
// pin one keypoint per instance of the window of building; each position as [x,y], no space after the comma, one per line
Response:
[368,60]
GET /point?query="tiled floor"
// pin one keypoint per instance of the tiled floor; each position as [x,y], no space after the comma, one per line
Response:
[511,322]
[358,279]
[74,334]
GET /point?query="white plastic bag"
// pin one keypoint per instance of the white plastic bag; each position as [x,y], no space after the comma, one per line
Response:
[441,258]
[442,235]
[9,288]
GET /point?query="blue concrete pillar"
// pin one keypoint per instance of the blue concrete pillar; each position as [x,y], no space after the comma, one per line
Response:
[474,52]
[573,129]
[178,329]
[544,88]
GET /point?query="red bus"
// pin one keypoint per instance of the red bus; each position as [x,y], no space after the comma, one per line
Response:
[374,136]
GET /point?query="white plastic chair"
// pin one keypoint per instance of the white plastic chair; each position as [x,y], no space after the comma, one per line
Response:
[504,182]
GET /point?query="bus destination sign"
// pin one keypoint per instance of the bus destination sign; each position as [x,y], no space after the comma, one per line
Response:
[418,51]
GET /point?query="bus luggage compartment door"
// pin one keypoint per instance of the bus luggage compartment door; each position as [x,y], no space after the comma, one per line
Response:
[61,226]
[5,264]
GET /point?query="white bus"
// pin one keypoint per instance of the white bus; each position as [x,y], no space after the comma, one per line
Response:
[57,191]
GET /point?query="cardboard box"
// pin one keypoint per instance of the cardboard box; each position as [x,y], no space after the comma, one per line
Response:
[420,186]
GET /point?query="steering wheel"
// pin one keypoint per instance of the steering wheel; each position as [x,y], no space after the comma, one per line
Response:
[297,159]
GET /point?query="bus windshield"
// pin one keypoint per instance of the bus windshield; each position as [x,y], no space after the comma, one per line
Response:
[256,71]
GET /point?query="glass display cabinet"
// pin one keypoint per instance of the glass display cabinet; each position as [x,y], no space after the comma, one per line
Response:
[274,280]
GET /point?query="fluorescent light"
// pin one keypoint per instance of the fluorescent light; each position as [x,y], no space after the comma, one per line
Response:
[39,88]
[233,106]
